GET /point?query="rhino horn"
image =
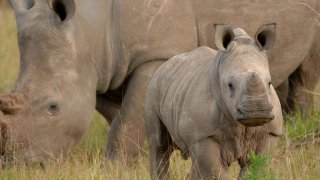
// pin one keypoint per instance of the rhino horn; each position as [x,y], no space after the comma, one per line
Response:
[12,104]
[254,85]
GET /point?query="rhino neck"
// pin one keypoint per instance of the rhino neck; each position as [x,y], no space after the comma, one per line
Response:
[116,65]
[98,42]
[215,85]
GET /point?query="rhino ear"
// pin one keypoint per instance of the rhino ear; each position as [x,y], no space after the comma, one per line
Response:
[65,9]
[223,36]
[20,6]
[266,36]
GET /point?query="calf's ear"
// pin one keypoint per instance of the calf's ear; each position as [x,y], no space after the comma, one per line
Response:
[20,6]
[266,36]
[223,36]
[64,9]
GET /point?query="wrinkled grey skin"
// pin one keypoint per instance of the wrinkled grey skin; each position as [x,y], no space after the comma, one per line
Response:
[216,107]
[78,54]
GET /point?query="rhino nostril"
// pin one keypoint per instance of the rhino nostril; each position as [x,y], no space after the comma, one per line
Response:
[240,114]
[240,111]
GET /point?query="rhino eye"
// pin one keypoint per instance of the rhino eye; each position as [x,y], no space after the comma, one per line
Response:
[53,108]
[230,86]
[270,84]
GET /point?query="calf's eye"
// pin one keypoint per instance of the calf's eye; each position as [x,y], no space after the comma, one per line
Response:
[230,85]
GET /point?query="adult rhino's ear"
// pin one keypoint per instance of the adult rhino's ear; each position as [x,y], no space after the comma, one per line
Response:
[20,6]
[64,9]
[223,36]
[266,36]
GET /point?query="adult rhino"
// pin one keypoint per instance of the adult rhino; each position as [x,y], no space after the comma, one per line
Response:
[78,55]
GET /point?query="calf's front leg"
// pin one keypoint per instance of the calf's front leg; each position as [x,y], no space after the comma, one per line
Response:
[207,162]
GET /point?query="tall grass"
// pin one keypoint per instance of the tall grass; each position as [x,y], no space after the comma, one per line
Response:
[86,160]
[9,56]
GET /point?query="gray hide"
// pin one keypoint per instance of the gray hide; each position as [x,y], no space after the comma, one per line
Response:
[78,54]
[217,107]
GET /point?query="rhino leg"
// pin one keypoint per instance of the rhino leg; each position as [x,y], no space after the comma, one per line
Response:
[107,107]
[160,147]
[303,83]
[207,162]
[283,93]
[126,136]
[305,79]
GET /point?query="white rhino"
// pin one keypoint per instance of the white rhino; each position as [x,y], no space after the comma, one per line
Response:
[80,55]
[216,107]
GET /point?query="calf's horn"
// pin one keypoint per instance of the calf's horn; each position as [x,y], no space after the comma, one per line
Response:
[254,85]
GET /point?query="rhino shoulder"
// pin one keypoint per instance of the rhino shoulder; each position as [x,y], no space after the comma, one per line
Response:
[185,60]
[204,51]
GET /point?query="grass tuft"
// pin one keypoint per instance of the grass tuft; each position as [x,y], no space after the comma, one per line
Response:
[258,168]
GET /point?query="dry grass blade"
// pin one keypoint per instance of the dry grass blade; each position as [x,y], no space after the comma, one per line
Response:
[310,139]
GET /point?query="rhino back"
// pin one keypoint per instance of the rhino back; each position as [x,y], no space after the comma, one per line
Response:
[156,29]
[296,27]
[150,30]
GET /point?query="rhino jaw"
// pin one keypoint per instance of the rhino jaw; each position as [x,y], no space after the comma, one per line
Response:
[255,121]
[254,118]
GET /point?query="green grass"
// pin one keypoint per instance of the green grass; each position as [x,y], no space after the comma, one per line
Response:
[258,168]
[86,160]
[298,128]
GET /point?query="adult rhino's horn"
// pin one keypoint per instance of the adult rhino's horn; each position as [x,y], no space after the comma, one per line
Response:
[254,84]
[11,104]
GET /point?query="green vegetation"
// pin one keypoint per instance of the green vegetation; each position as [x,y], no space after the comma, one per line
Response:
[301,161]
[298,128]
[258,168]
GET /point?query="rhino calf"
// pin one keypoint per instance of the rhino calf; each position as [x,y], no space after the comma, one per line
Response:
[216,107]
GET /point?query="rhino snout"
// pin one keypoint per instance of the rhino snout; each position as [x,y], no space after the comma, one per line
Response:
[254,113]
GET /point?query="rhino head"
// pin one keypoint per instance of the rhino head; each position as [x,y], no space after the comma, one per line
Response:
[243,74]
[53,100]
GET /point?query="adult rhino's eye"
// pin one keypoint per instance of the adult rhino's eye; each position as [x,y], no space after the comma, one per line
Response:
[53,108]
[270,84]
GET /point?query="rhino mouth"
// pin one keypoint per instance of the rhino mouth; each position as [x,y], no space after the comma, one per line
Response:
[255,118]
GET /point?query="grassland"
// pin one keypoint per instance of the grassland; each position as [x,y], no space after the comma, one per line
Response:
[86,161]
